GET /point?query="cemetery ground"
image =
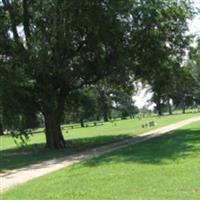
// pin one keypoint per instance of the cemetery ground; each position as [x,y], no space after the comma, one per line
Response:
[80,139]
[139,168]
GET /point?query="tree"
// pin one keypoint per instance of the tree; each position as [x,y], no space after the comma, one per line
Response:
[185,88]
[194,61]
[194,66]
[82,105]
[124,103]
[54,48]
[104,100]
[51,48]
[161,27]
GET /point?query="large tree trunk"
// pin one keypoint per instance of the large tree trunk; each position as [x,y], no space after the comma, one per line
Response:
[52,110]
[54,137]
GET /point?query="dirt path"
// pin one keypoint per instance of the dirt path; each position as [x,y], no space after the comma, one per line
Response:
[19,176]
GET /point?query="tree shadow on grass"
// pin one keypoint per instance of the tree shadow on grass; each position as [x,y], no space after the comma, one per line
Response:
[36,153]
[173,146]
[170,147]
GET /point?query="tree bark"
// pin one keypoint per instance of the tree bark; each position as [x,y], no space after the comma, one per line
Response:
[183,109]
[169,107]
[159,107]
[105,116]
[183,106]
[1,129]
[98,118]
[54,137]
[105,112]
[82,123]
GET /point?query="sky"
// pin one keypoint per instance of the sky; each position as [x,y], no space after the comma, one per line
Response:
[194,25]
[142,97]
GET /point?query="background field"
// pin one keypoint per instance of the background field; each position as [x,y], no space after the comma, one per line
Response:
[159,169]
[13,157]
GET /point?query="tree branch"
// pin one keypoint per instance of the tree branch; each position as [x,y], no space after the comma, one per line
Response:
[86,82]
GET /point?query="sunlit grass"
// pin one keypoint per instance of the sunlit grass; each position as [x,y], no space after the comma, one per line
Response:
[13,157]
[159,169]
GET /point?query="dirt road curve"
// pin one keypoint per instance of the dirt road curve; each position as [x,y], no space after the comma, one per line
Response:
[19,176]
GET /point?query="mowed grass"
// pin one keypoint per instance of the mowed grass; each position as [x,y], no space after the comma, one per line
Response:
[164,168]
[13,157]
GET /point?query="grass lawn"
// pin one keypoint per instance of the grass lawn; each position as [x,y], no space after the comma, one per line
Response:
[13,157]
[165,168]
